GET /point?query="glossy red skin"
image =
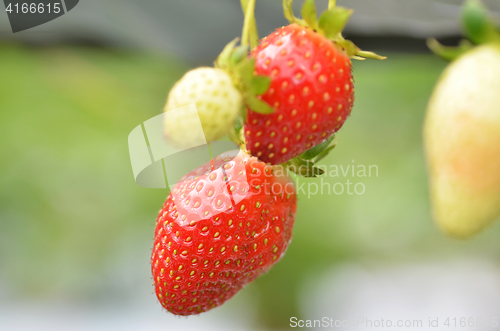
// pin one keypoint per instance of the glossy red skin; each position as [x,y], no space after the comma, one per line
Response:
[201,249]
[312,91]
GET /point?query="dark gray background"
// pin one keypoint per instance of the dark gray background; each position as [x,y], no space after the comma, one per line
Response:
[197,29]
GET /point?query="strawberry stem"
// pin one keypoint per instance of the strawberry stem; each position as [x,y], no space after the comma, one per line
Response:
[249,36]
[332,4]
[448,53]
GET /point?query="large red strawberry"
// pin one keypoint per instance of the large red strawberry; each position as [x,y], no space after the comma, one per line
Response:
[312,88]
[222,226]
[312,91]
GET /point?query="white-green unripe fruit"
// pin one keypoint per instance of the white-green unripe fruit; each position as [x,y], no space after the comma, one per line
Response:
[462,143]
[217,100]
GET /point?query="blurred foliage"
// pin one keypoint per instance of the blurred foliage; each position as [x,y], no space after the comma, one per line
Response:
[69,204]
[67,194]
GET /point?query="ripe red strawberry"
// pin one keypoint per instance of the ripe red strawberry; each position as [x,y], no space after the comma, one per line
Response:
[221,227]
[311,90]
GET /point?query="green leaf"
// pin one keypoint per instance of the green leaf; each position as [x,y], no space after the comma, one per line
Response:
[449,53]
[333,21]
[309,14]
[260,84]
[477,24]
[258,105]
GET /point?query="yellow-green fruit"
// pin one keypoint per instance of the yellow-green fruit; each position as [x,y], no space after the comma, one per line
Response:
[462,142]
[217,100]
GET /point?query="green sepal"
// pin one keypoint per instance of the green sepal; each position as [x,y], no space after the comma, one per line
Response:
[368,55]
[356,53]
[260,84]
[223,60]
[304,164]
[239,54]
[244,71]
[330,24]
[449,53]
[304,168]
[257,105]
[333,21]
[325,152]
[349,47]
[235,61]
[477,23]
[320,151]
[316,150]
[309,14]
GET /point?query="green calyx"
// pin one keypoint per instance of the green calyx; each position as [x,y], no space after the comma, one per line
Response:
[304,164]
[478,26]
[235,61]
[330,24]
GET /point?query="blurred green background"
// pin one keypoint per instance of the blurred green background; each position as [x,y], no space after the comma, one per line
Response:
[76,231]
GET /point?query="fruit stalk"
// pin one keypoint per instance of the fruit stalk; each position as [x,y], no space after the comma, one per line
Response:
[249,36]
[332,4]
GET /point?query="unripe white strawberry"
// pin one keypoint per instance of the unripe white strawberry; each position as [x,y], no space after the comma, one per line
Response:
[462,140]
[217,100]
